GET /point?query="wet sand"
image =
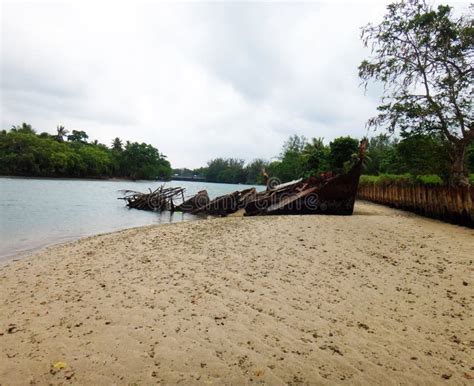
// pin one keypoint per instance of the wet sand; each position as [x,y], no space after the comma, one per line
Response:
[381,297]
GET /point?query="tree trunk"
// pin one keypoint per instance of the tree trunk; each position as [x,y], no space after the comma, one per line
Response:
[459,173]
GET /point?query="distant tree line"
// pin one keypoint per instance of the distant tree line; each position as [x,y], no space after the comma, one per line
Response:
[24,152]
[412,155]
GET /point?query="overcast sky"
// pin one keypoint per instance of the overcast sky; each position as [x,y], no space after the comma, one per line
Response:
[196,80]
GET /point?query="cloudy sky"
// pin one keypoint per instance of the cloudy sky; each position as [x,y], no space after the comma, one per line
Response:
[196,80]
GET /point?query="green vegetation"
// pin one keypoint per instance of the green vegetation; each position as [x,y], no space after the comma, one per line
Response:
[413,158]
[414,154]
[228,170]
[423,56]
[298,158]
[403,179]
[23,152]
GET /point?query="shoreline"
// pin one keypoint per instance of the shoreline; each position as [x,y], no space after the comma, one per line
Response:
[122,179]
[379,297]
[34,250]
[81,178]
[17,256]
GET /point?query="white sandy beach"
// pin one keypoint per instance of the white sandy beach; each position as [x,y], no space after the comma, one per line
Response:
[381,297]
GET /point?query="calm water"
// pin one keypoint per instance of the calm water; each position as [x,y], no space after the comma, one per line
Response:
[39,212]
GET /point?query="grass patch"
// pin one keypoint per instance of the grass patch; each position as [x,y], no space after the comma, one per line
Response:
[402,179]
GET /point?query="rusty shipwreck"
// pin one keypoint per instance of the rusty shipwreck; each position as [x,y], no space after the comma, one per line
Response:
[323,194]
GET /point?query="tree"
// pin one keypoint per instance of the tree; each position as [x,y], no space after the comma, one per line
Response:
[291,163]
[378,149]
[234,172]
[316,157]
[117,144]
[340,151]
[143,161]
[61,133]
[78,136]
[22,152]
[98,162]
[214,168]
[424,58]
[294,144]
[423,154]
[253,171]
[24,128]
[227,170]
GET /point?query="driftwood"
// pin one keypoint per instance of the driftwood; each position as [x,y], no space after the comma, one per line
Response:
[167,199]
[159,199]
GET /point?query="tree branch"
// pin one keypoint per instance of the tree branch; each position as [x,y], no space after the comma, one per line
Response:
[439,114]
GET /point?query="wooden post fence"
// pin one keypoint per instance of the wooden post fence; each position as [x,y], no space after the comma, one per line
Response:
[455,205]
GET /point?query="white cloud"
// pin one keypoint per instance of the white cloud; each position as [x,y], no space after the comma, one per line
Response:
[196,80]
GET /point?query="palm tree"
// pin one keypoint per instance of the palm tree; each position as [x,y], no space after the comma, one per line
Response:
[117,144]
[62,132]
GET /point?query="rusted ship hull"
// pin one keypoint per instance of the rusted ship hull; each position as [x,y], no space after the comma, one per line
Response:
[335,195]
[325,194]
[200,200]
[228,204]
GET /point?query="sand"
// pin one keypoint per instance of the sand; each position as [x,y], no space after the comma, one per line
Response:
[381,297]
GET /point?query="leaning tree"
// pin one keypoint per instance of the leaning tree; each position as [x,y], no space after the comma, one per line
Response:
[424,58]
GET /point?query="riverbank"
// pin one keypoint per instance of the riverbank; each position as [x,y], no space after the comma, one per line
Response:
[381,297]
[124,179]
